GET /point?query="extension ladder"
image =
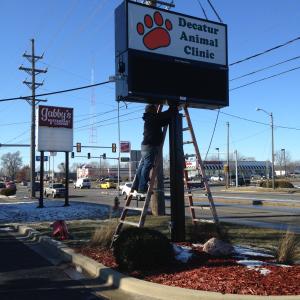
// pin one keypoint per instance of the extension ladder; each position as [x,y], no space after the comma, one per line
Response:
[201,171]
[144,209]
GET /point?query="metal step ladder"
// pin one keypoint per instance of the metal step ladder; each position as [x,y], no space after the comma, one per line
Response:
[201,171]
[144,209]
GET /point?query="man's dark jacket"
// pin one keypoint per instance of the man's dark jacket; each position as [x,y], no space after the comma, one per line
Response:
[154,122]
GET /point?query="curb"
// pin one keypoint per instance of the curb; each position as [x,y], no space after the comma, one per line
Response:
[129,284]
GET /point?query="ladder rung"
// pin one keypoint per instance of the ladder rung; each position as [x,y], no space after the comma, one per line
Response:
[185,129]
[187,142]
[130,223]
[204,207]
[190,169]
[133,208]
[204,221]
[189,155]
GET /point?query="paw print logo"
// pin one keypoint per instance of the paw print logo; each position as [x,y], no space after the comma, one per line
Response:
[158,36]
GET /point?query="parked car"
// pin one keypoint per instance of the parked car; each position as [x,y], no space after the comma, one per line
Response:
[82,183]
[216,178]
[2,186]
[11,185]
[55,190]
[241,180]
[108,184]
[126,189]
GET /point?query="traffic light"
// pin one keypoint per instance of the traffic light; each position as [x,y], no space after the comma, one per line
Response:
[89,155]
[78,147]
[72,154]
[104,155]
[114,147]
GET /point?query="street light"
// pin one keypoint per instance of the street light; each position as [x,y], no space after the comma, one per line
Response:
[284,162]
[272,132]
[218,149]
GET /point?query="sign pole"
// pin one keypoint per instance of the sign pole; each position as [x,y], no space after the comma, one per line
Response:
[176,176]
[67,180]
[41,200]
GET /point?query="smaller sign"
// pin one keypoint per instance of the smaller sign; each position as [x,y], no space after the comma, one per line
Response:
[52,116]
[125,147]
[38,158]
[125,159]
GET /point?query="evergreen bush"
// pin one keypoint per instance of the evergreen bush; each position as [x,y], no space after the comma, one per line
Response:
[8,192]
[142,249]
[278,184]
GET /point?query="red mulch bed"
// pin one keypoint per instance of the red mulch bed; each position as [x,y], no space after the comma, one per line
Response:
[208,273]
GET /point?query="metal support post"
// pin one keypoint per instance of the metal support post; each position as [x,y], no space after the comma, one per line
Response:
[67,180]
[176,176]
[41,199]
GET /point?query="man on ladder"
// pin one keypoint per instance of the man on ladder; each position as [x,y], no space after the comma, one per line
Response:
[153,137]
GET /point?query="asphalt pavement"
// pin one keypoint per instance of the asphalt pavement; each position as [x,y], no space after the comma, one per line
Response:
[26,275]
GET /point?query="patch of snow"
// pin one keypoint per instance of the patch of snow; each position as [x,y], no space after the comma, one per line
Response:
[263,271]
[53,210]
[6,229]
[251,263]
[247,251]
[182,254]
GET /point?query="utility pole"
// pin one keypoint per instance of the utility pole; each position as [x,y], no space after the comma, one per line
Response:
[33,85]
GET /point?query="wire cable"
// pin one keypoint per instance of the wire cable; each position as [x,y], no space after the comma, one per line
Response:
[214,11]
[57,92]
[213,133]
[265,68]
[266,51]
[263,79]
[202,9]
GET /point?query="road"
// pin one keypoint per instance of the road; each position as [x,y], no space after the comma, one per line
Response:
[279,210]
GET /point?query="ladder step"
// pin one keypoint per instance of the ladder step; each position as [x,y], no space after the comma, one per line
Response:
[204,221]
[204,207]
[185,129]
[130,223]
[187,142]
[133,208]
[190,169]
[189,155]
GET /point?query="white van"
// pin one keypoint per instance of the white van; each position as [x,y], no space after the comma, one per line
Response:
[82,183]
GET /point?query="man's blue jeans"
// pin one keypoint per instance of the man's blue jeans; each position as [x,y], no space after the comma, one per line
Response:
[148,153]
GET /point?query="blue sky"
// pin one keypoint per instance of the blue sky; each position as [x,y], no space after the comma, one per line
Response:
[78,35]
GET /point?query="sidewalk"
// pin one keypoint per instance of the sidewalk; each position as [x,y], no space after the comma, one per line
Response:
[25,274]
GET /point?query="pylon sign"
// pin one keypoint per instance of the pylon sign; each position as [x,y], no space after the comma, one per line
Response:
[125,147]
[54,129]
[166,55]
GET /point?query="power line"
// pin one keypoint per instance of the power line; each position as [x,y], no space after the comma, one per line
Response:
[266,51]
[57,92]
[213,133]
[265,68]
[265,78]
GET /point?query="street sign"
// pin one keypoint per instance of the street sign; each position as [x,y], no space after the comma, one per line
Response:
[125,159]
[124,147]
[38,158]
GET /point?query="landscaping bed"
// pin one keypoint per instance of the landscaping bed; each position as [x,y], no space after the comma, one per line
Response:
[224,275]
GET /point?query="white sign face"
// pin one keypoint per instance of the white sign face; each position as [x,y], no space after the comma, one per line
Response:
[54,129]
[171,34]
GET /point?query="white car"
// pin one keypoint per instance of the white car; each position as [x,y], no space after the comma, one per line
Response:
[126,189]
[216,178]
[82,183]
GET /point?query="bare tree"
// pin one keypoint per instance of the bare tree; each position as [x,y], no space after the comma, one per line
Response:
[11,163]
[61,167]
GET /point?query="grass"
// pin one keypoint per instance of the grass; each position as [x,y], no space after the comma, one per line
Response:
[83,231]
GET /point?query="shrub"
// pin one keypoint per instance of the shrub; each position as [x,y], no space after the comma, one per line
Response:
[278,184]
[142,249]
[8,192]
[287,248]
[103,235]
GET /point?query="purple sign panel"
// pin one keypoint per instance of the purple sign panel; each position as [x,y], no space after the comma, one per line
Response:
[52,116]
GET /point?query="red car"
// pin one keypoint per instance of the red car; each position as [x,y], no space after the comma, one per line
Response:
[10,185]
